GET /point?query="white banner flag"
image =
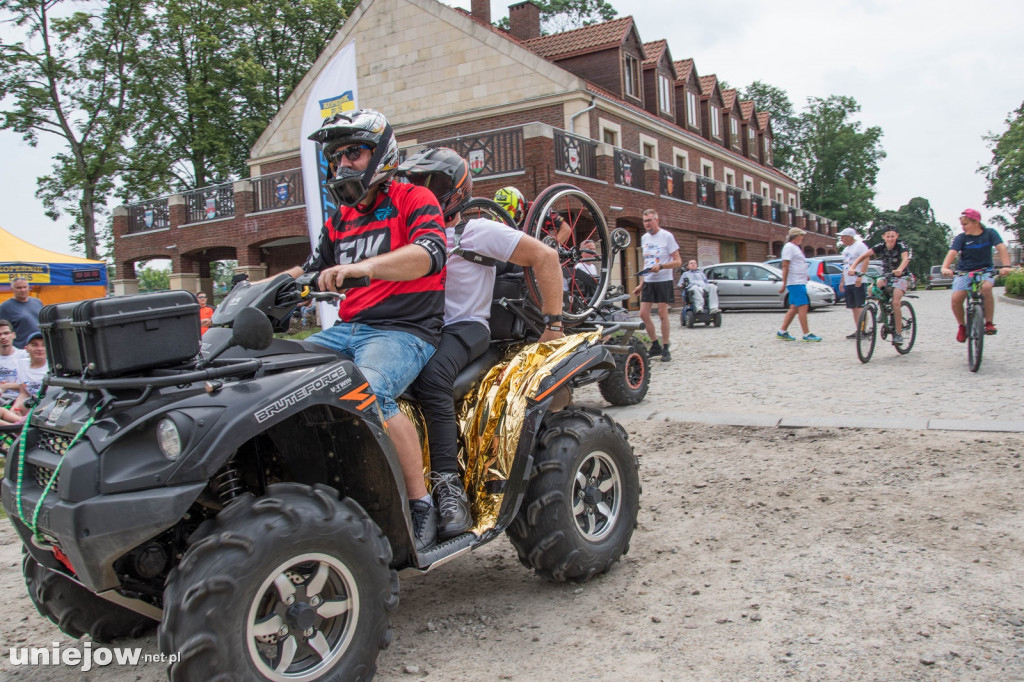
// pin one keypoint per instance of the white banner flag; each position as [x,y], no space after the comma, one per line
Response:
[334,91]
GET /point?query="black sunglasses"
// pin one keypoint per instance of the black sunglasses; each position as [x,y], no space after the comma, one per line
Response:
[351,153]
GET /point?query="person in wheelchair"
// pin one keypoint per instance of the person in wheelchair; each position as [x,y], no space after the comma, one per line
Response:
[694,284]
[475,248]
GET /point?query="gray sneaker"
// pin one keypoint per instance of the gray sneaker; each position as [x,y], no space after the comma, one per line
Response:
[897,339]
[424,523]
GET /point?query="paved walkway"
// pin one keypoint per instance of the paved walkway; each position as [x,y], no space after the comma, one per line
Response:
[739,374]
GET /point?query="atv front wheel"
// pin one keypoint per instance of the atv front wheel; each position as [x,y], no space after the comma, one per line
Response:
[77,611]
[582,500]
[628,384]
[295,585]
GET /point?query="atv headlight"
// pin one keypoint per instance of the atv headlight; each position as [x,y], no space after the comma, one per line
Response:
[168,438]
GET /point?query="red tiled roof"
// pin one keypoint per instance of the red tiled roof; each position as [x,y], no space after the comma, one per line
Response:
[653,52]
[708,83]
[728,98]
[597,90]
[762,119]
[684,68]
[581,40]
[746,110]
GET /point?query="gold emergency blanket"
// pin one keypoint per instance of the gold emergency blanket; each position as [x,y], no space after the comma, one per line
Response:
[491,420]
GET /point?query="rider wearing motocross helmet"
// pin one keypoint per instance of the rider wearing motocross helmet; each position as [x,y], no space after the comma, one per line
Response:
[393,235]
[351,132]
[444,173]
[475,247]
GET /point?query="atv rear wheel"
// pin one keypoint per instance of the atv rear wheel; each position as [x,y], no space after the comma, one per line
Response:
[295,585]
[582,501]
[77,611]
[628,384]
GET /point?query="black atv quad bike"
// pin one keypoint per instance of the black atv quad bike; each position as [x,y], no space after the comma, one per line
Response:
[248,499]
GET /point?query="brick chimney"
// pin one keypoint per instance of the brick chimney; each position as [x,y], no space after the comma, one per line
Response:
[480,11]
[524,20]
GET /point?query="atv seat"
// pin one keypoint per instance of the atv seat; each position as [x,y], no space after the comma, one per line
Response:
[475,371]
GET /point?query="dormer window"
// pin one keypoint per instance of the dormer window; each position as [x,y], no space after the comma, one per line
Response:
[632,76]
[715,122]
[734,128]
[664,93]
[691,109]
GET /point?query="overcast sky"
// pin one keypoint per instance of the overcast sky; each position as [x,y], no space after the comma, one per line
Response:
[936,76]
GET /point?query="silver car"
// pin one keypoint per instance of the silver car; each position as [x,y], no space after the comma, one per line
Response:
[756,285]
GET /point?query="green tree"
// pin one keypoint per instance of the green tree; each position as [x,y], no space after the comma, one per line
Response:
[1005,174]
[153,278]
[69,76]
[557,16]
[785,122]
[927,238]
[215,74]
[836,161]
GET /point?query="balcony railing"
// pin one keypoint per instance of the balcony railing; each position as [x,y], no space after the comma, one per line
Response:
[629,169]
[705,191]
[146,216]
[732,199]
[576,155]
[492,153]
[671,181]
[210,203]
[278,190]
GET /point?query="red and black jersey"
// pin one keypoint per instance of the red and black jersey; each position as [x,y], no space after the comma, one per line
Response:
[402,214]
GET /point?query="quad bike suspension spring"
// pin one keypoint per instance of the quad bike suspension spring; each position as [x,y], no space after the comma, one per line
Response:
[229,482]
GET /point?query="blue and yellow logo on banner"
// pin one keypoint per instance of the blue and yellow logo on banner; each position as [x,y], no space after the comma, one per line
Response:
[337,105]
[35,273]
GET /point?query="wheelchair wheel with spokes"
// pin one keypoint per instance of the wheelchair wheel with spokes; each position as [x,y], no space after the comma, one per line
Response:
[867,332]
[563,217]
[479,207]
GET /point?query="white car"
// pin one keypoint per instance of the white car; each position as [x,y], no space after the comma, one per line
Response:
[756,285]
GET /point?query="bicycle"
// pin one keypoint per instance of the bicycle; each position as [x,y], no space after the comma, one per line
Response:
[877,318]
[975,316]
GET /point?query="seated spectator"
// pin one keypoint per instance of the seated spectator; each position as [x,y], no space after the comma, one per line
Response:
[696,283]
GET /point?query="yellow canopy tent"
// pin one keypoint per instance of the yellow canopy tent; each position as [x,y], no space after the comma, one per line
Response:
[53,277]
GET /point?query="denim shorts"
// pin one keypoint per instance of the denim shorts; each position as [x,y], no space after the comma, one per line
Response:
[389,359]
[963,282]
[798,294]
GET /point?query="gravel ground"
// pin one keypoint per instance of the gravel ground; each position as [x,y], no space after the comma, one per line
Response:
[762,552]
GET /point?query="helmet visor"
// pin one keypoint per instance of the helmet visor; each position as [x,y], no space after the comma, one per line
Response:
[438,183]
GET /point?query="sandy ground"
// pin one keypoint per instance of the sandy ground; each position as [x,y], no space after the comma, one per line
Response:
[761,553]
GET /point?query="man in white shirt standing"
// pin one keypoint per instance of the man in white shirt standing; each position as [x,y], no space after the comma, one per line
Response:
[853,285]
[661,255]
[794,281]
[9,356]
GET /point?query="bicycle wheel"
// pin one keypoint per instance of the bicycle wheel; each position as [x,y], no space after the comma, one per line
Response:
[909,327]
[867,332]
[975,335]
[582,220]
[478,207]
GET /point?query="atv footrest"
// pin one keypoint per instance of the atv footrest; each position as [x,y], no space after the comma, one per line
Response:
[446,549]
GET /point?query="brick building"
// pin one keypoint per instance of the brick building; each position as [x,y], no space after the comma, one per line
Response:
[596,107]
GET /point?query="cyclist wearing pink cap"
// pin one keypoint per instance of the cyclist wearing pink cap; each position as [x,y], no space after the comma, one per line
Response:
[974,246]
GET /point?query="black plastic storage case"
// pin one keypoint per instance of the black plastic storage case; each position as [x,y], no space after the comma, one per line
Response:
[107,337]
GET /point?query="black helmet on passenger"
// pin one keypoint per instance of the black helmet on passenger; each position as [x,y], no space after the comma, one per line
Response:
[443,172]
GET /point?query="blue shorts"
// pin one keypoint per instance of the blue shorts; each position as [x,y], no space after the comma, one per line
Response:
[963,282]
[389,359]
[798,294]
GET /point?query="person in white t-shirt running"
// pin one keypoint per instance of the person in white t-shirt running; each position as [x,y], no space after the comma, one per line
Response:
[794,281]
